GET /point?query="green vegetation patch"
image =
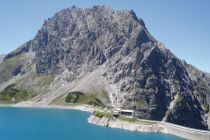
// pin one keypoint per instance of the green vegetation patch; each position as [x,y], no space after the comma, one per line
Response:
[178,99]
[81,98]
[128,119]
[7,68]
[11,63]
[136,120]
[100,114]
[73,97]
[14,94]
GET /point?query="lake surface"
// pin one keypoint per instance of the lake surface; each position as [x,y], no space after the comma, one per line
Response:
[58,124]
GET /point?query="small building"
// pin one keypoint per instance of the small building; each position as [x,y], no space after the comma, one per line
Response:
[123,112]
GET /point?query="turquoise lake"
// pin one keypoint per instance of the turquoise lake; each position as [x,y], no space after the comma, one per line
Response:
[58,124]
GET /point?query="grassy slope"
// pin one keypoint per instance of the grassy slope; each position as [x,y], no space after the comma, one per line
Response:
[38,83]
[14,94]
[7,68]
[81,98]
[101,114]
[100,97]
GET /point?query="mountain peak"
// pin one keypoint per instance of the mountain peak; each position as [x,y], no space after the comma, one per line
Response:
[110,54]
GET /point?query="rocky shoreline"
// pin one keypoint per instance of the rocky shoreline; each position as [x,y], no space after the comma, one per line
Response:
[116,123]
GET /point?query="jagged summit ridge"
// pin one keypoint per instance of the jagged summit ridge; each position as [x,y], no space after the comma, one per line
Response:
[93,30]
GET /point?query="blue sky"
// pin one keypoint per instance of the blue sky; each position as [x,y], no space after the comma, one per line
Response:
[182,25]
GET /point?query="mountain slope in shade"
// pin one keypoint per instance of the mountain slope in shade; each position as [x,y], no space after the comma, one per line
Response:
[110,55]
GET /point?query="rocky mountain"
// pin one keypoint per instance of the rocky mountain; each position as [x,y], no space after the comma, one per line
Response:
[111,56]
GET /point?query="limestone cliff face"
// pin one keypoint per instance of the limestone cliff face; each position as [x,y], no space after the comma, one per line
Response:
[112,50]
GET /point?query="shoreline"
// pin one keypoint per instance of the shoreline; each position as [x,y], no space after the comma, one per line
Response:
[158,127]
[131,126]
[84,108]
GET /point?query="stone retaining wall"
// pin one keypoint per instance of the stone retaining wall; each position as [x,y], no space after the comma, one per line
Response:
[162,127]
